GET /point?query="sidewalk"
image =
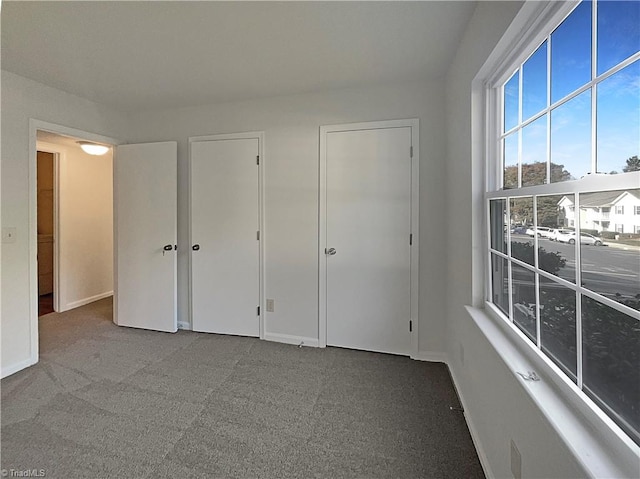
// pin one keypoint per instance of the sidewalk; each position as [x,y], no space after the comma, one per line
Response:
[622,246]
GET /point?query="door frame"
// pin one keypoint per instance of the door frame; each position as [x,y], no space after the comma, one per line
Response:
[34,126]
[414,124]
[249,135]
[58,157]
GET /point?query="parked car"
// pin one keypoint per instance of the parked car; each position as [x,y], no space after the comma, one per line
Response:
[519,230]
[540,231]
[553,236]
[585,238]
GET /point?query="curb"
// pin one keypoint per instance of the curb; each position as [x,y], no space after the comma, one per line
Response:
[626,247]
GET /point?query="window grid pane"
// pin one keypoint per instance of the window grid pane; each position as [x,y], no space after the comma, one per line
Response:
[587,120]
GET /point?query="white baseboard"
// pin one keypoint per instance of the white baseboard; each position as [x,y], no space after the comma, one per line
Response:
[433,357]
[484,460]
[289,339]
[14,368]
[184,325]
[82,302]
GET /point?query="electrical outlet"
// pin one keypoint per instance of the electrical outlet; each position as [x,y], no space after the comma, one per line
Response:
[270,305]
[516,461]
[8,235]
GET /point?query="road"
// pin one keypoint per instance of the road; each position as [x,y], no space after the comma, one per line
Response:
[605,270]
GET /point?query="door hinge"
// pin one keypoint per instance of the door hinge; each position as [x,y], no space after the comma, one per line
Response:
[411,239]
[258,310]
[258,160]
[258,235]
[411,151]
[410,326]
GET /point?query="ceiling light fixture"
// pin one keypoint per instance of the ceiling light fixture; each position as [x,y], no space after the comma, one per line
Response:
[93,148]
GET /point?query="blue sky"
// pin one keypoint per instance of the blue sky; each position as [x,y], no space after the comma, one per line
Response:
[617,97]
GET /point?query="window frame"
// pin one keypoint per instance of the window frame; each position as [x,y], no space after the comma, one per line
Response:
[541,22]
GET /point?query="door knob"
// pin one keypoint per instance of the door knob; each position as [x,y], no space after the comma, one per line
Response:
[195,247]
[330,251]
[167,247]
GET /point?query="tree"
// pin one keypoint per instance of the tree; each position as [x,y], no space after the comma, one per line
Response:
[535,174]
[522,211]
[633,164]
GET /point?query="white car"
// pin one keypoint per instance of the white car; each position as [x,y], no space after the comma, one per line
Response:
[541,231]
[545,232]
[585,238]
[554,234]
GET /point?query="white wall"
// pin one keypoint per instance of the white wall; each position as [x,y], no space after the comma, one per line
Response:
[497,406]
[291,126]
[85,232]
[629,220]
[23,99]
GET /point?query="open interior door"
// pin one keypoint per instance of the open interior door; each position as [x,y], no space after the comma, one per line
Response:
[145,206]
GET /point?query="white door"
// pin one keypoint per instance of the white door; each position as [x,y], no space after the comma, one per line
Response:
[224,233]
[368,255]
[145,196]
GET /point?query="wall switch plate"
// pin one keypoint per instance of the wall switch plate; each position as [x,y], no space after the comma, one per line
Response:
[9,234]
[270,305]
[516,461]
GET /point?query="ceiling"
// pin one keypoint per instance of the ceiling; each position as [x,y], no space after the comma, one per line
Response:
[149,55]
[56,139]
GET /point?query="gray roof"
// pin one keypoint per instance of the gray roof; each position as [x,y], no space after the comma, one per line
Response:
[604,198]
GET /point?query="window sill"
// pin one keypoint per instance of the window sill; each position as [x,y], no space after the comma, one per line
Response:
[597,443]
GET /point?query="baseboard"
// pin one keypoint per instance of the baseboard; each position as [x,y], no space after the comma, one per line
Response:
[289,339]
[433,357]
[82,302]
[184,325]
[14,368]
[475,437]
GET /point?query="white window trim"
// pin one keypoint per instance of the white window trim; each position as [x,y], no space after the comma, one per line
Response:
[608,452]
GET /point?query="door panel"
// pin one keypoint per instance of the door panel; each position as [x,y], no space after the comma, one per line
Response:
[146,222]
[368,222]
[224,223]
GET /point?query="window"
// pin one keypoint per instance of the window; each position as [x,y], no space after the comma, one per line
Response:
[636,210]
[619,228]
[564,133]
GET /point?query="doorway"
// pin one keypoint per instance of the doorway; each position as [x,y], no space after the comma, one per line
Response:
[73,236]
[368,256]
[46,233]
[74,223]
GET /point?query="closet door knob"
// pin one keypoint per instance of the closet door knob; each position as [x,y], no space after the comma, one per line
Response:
[195,247]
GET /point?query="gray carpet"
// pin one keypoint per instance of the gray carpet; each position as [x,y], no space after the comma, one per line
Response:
[106,401]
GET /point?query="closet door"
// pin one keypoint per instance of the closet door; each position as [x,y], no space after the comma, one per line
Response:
[368,239]
[225,256]
[145,196]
